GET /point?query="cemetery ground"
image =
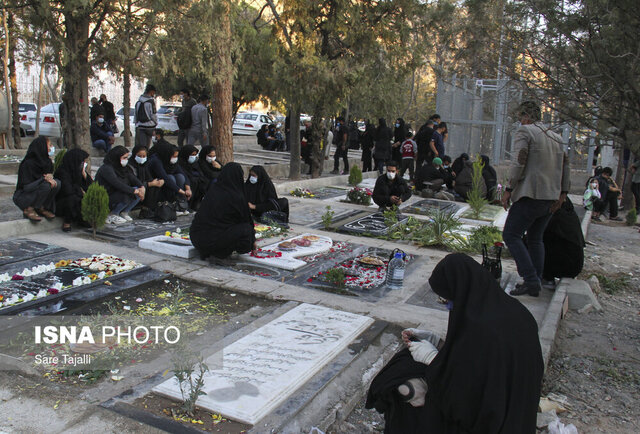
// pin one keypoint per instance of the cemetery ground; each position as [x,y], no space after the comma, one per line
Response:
[318,313]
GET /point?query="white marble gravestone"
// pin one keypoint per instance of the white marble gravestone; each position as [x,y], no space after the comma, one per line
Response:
[261,370]
[169,246]
[288,259]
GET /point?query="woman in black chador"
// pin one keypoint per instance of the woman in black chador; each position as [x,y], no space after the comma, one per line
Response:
[261,194]
[36,188]
[75,182]
[487,376]
[223,223]
[188,161]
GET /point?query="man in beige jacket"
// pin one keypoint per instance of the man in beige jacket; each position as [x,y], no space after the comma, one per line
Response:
[538,184]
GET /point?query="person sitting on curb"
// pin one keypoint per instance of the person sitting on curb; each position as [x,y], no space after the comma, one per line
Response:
[610,193]
[390,189]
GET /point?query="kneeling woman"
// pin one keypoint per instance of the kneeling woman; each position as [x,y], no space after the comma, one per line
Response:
[36,188]
[124,189]
[163,163]
[262,196]
[152,186]
[75,182]
[487,376]
[223,223]
[188,161]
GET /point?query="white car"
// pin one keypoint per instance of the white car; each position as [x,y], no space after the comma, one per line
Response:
[26,128]
[49,120]
[248,123]
[120,121]
[168,117]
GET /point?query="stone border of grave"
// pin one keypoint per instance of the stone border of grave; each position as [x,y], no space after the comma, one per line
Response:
[284,188]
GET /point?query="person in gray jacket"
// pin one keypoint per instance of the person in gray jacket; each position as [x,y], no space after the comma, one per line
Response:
[538,185]
[145,116]
[199,130]
[187,104]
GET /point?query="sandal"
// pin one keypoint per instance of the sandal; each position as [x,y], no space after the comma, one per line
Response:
[29,213]
[46,213]
[66,227]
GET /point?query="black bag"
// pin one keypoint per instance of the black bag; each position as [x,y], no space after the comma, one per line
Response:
[141,113]
[274,218]
[491,260]
[184,118]
[165,212]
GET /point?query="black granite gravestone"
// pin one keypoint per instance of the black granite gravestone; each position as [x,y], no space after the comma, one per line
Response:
[142,228]
[429,206]
[21,249]
[370,224]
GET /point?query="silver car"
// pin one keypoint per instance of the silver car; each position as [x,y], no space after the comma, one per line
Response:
[248,123]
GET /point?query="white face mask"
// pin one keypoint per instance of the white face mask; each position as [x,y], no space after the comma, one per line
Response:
[594,186]
[253,179]
[391,175]
[154,139]
[124,162]
[192,159]
[141,160]
[52,151]
[211,159]
[174,160]
[101,121]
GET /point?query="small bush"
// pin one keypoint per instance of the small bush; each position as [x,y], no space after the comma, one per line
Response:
[632,217]
[185,364]
[95,206]
[327,218]
[334,276]
[57,160]
[488,235]
[355,175]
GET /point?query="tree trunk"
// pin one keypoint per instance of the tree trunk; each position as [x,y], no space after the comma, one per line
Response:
[5,64]
[317,134]
[75,75]
[40,88]
[221,132]
[15,104]
[126,101]
[294,143]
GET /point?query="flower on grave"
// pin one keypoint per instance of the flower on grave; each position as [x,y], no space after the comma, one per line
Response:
[42,293]
[77,281]
[498,244]
[167,234]
[62,263]
[310,279]
[53,291]
[92,276]
[1,297]
[17,277]
[86,280]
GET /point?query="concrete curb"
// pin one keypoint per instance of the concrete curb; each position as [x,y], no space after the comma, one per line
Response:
[586,220]
[17,228]
[285,187]
[549,327]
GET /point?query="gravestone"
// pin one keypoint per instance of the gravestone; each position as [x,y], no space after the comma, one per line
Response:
[311,215]
[369,183]
[288,259]
[429,206]
[490,213]
[262,369]
[169,246]
[143,228]
[21,249]
[372,224]
[328,192]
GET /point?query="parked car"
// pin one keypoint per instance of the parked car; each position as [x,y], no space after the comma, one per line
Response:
[168,117]
[248,123]
[49,120]
[26,128]
[120,121]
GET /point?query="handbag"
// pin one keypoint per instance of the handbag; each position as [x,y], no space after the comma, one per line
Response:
[165,212]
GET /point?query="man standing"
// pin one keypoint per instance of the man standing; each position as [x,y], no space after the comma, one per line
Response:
[109,113]
[437,140]
[538,185]
[341,140]
[423,139]
[199,130]
[184,117]
[390,189]
[610,193]
[145,116]
[635,183]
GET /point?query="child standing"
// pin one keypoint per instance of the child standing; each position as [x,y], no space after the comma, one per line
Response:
[409,150]
[591,197]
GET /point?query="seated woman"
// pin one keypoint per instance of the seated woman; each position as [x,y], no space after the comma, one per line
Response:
[262,196]
[262,136]
[487,376]
[37,188]
[188,161]
[75,182]
[464,181]
[209,164]
[152,186]
[124,189]
[163,164]
[490,178]
[223,223]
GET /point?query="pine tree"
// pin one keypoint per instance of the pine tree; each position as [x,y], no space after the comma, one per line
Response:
[355,175]
[95,206]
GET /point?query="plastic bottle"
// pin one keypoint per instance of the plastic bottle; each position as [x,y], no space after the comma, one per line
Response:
[395,272]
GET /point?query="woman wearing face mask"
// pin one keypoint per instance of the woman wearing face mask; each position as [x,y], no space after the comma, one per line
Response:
[124,189]
[101,135]
[37,188]
[487,376]
[209,164]
[188,161]
[75,177]
[261,194]
[153,192]
[163,163]
[223,223]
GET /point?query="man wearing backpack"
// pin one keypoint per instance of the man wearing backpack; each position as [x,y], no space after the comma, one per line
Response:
[184,117]
[199,130]
[145,116]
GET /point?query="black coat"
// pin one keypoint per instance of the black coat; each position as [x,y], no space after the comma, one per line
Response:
[385,188]
[119,181]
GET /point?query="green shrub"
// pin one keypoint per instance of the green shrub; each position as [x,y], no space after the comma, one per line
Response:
[440,231]
[334,276]
[475,198]
[95,206]
[355,175]
[327,218]
[488,235]
[361,196]
[57,160]
[632,217]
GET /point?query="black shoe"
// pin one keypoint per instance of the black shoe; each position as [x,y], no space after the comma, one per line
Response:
[615,219]
[532,289]
[334,172]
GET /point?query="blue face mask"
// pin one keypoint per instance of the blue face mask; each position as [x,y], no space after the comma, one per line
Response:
[397,125]
[52,151]
[450,305]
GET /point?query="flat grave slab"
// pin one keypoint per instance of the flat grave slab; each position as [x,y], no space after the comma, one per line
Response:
[142,228]
[169,246]
[329,192]
[490,213]
[428,206]
[369,183]
[20,249]
[262,369]
[286,257]
[311,215]
[371,224]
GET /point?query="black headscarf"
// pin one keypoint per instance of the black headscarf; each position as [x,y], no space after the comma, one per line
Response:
[400,132]
[225,203]
[113,159]
[382,125]
[142,171]
[38,155]
[487,376]
[164,150]
[458,163]
[72,163]
[261,191]
[207,168]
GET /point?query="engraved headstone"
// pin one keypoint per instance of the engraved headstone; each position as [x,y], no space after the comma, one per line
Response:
[429,206]
[143,228]
[21,249]
[372,224]
[169,246]
[262,369]
[287,260]
[328,192]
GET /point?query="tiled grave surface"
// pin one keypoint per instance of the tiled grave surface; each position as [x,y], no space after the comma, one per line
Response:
[329,192]
[311,215]
[262,369]
[287,259]
[490,213]
[371,224]
[21,249]
[169,246]
[142,228]
[428,206]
